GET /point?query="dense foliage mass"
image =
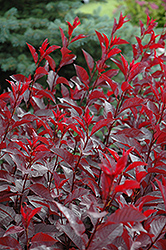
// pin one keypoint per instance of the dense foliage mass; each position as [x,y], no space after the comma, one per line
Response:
[84,167]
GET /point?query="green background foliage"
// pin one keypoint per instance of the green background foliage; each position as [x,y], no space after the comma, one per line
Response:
[137,10]
[33,21]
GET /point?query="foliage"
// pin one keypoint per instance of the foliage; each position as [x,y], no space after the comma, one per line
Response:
[139,9]
[85,168]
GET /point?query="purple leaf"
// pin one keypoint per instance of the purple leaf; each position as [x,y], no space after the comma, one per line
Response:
[74,221]
[41,190]
[105,235]
[14,230]
[10,243]
[126,214]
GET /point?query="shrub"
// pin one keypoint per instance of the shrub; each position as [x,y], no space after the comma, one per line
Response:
[84,167]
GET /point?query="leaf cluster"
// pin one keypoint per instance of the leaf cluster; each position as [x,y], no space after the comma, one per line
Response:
[83,159]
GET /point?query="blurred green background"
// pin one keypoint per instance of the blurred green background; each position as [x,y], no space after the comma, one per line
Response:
[32,21]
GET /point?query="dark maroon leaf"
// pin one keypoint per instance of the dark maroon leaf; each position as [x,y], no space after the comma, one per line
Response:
[126,214]
[74,221]
[5,176]
[41,190]
[157,226]
[14,230]
[72,235]
[10,243]
[105,235]
[64,154]
[162,187]
[76,194]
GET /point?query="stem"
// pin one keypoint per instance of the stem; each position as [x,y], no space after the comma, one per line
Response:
[27,241]
[99,220]
[161,117]
[23,189]
[92,235]
[120,101]
[74,172]
[150,147]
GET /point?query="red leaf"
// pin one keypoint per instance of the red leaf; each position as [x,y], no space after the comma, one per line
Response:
[131,102]
[67,58]
[121,163]
[113,52]
[32,213]
[5,176]
[41,70]
[120,65]
[77,38]
[128,184]
[100,124]
[125,86]
[89,60]
[157,226]
[62,80]
[51,62]
[19,78]
[65,155]
[114,153]
[44,44]
[47,93]
[83,75]
[149,212]
[40,239]
[135,164]
[126,214]
[136,69]
[64,38]
[33,52]
[112,84]
[71,27]
[51,49]
[96,94]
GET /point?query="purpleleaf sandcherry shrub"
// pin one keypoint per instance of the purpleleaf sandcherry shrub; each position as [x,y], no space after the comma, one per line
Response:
[83,161]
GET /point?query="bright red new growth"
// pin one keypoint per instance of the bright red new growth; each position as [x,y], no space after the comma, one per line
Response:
[83,160]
